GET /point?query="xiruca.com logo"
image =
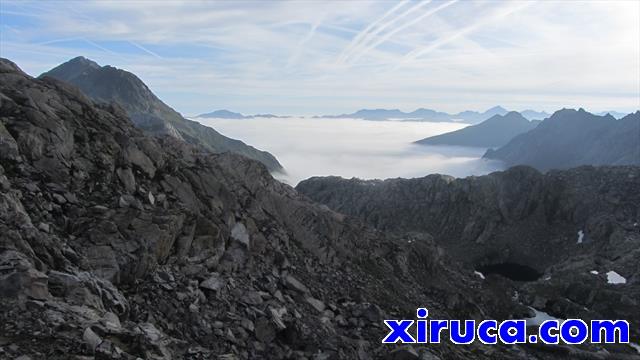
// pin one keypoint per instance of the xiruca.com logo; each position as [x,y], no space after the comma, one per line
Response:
[490,332]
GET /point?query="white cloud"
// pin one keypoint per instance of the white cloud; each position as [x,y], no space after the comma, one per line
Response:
[355,148]
[281,56]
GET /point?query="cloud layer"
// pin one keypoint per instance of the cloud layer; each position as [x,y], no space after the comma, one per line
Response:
[307,57]
[355,148]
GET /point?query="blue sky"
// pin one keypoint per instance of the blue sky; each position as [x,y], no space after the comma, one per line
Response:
[306,57]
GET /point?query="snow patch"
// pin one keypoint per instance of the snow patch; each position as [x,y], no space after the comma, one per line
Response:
[615,278]
[580,236]
[594,272]
[480,275]
[635,346]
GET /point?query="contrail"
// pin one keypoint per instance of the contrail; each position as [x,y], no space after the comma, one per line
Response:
[144,49]
[300,47]
[364,32]
[388,35]
[464,31]
[100,47]
[384,26]
[49,42]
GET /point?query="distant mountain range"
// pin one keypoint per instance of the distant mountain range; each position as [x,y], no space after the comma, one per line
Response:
[472,117]
[571,138]
[534,115]
[615,114]
[226,114]
[469,116]
[493,132]
[109,84]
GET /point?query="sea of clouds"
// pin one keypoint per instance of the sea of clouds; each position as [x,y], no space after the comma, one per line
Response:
[309,147]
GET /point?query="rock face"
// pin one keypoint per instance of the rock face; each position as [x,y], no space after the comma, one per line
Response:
[550,229]
[519,215]
[493,132]
[117,245]
[571,138]
[109,84]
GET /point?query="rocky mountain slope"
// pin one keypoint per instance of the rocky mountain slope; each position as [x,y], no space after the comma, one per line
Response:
[109,84]
[561,231]
[571,138]
[493,132]
[117,245]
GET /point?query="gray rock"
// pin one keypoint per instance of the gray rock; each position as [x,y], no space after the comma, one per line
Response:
[111,322]
[265,330]
[277,315]
[91,339]
[252,298]
[60,199]
[247,324]
[316,304]
[215,282]
[404,353]
[19,279]
[295,284]
[44,227]
[128,180]
[8,146]
[139,159]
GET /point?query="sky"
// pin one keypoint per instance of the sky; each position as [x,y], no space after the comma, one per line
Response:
[306,57]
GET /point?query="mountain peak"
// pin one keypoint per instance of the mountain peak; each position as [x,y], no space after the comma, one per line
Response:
[74,68]
[498,109]
[493,132]
[510,117]
[513,114]
[223,114]
[109,84]
[563,112]
[571,138]
[82,60]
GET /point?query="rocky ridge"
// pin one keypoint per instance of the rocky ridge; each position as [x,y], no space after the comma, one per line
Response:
[571,138]
[109,84]
[563,230]
[493,132]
